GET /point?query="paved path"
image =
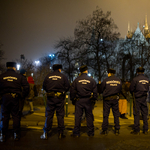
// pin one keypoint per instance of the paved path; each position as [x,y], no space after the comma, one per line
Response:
[32,124]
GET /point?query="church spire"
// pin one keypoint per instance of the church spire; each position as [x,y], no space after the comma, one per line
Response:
[128,27]
[129,33]
[146,24]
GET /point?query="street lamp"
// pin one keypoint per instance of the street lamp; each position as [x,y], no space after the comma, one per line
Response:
[37,62]
[89,74]
[18,66]
[51,55]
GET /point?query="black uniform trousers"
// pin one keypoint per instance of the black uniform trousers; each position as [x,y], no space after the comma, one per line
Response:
[54,103]
[83,103]
[21,105]
[107,104]
[9,106]
[140,106]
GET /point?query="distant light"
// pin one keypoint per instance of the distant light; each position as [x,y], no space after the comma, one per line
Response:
[89,74]
[32,74]
[101,39]
[50,67]
[37,62]
[18,66]
[51,55]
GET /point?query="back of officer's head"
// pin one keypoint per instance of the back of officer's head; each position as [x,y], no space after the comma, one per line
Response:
[11,65]
[111,72]
[23,72]
[57,67]
[140,70]
[83,69]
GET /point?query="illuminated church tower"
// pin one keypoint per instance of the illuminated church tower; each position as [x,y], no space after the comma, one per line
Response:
[146,32]
[129,32]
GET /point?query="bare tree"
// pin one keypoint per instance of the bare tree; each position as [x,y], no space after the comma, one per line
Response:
[26,64]
[42,69]
[67,55]
[96,37]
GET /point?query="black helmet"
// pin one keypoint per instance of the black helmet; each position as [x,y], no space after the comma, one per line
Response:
[83,68]
[57,66]
[140,69]
[11,64]
[111,71]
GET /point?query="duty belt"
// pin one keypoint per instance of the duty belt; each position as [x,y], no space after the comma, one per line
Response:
[14,95]
[111,97]
[55,94]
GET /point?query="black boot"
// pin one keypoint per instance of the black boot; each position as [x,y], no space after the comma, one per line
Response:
[135,132]
[104,132]
[145,132]
[123,116]
[61,135]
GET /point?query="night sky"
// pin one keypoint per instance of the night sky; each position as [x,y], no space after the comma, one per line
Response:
[32,27]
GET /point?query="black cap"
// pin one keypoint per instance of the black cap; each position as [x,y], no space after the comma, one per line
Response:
[11,64]
[111,71]
[23,71]
[83,68]
[57,66]
[140,69]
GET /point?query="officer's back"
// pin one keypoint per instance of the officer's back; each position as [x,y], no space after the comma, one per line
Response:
[56,81]
[140,85]
[111,86]
[11,82]
[85,85]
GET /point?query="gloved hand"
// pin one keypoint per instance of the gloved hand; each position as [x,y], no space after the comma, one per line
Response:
[93,101]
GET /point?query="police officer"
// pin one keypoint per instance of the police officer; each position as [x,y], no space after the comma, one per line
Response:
[56,85]
[83,91]
[12,87]
[111,87]
[139,88]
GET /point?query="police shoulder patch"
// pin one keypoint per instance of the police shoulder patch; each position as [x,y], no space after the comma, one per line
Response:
[10,78]
[143,81]
[54,77]
[84,81]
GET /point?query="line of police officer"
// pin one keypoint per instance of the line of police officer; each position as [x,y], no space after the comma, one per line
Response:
[83,93]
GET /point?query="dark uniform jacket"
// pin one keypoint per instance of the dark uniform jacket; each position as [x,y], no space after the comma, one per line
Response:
[140,86]
[12,82]
[111,86]
[82,87]
[56,82]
